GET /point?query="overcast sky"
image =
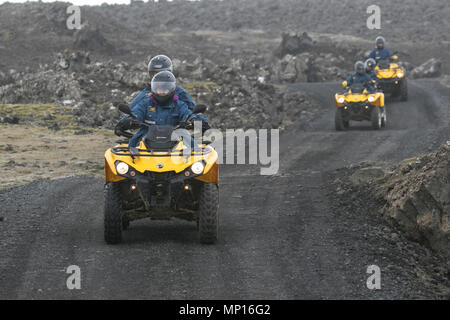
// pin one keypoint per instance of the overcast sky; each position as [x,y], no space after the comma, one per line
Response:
[77,2]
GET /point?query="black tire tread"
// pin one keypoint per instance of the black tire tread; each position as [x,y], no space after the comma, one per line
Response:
[374,118]
[209,213]
[112,214]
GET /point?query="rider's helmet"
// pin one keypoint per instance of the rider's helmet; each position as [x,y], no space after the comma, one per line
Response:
[359,67]
[159,63]
[163,87]
[370,64]
[379,41]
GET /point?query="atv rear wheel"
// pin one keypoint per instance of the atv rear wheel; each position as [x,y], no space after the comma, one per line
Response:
[339,122]
[208,220]
[113,217]
[376,118]
[403,90]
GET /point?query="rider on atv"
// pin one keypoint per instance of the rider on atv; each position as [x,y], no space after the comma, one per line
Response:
[380,52]
[162,106]
[370,65]
[360,76]
[157,64]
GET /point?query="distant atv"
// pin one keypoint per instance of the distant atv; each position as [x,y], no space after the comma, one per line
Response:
[160,179]
[392,78]
[357,104]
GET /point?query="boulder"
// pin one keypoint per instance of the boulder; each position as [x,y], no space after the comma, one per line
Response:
[293,44]
[418,198]
[429,69]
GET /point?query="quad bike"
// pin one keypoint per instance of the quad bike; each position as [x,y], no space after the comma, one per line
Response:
[358,104]
[160,179]
[392,78]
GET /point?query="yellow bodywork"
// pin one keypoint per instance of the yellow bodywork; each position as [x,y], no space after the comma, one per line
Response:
[360,97]
[394,71]
[164,162]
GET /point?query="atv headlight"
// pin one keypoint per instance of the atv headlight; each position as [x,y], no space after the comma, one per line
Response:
[122,168]
[400,74]
[371,99]
[341,100]
[198,167]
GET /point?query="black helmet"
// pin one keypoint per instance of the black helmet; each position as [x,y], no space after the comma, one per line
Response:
[163,86]
[158,64]
[359,67]
[370,63]
[379,42]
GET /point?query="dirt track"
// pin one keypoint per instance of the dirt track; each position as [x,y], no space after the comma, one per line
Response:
[280,236]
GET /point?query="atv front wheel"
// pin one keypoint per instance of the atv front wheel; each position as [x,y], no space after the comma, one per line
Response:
[113,217]
[208,220]
[383,118]
[339,122]
[403,90]
[376,118]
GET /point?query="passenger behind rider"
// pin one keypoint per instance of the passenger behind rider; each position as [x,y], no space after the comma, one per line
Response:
[162,106]
[157,64]
[370,65]
[360,76]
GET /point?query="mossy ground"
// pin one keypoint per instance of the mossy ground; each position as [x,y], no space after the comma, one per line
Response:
[31,150]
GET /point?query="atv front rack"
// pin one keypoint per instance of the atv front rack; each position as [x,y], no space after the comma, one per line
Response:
[125,151]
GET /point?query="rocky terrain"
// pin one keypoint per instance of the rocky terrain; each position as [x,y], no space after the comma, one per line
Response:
[340,202]
[414,197]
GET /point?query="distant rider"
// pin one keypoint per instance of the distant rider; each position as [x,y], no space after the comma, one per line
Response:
[380,52]
[162,106]
[360,76]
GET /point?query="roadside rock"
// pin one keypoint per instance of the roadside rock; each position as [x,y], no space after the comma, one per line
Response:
[11,119]
[429,69]
[293,44]
[366,175]
[418,199]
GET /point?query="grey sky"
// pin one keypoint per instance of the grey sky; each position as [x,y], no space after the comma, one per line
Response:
[76,2]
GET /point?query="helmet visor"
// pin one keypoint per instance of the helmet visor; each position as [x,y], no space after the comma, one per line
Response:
[163,89]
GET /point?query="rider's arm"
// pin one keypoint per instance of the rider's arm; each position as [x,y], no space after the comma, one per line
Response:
[138,98]
[388,52]
[372,54]
[184,113]
[139,110]
[184,96]
[349,80]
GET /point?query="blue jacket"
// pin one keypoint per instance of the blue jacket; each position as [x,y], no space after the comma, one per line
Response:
[148,109]
[180,92]
[380,54]
[373,75]
[365,79]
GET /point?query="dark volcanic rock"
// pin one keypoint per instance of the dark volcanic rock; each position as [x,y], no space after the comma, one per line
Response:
[294,44]
[417,198]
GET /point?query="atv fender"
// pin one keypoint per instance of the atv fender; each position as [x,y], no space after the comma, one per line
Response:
[212,176]
[110,169]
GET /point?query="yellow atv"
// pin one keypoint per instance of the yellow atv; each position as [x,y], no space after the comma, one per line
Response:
[358,104]
[163,177]
[392,78]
